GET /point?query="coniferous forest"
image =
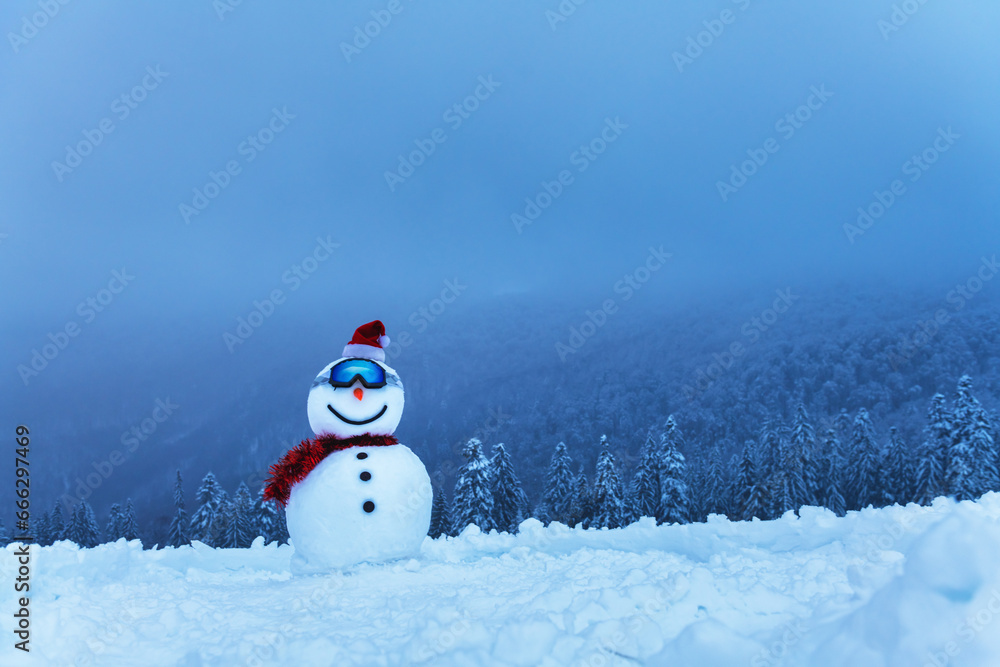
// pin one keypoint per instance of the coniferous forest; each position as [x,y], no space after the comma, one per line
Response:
[829,406]
[847,466]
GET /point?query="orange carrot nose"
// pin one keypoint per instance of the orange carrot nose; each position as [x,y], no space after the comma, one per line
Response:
[359,393]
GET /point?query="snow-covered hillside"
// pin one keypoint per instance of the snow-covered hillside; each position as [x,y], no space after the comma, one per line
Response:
[897,586]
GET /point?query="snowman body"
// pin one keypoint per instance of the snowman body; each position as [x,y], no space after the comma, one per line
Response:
[361,503]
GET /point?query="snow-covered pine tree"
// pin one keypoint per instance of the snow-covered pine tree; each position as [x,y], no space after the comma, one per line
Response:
[217,532]
[130,529]
[972,432]
[962,471]
[697,493]
[559,491]
[832,465]
[609,504]
[4,537]
[538,511]
[674,506]
[936,451]
[57,525]
[265,518]
[83,528]
[896,485]
[931,466]
[209,498]
[803,440]
[239,528]
[928,481]
[91,531]
[769,471]
[757,455]
[810,476]
[41,530]
[748,497]
[583,500]
[843,424]
[716,488]
[280,528]
[787,478]
[985,453]
[865,461]
[671,436]
[995,422]
[113,529]
[440,516]
[473,499]
[510,504]
[644,494]
[179,528]
[732,470]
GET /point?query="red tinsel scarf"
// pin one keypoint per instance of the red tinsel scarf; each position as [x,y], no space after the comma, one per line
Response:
[300,460]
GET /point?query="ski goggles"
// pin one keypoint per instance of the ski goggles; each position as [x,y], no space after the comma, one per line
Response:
[368,373]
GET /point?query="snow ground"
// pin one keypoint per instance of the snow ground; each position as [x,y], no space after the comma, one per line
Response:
[909,586]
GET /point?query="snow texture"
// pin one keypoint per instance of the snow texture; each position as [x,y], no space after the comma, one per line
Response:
[884,587]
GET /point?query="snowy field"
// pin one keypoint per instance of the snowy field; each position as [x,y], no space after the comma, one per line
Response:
[897,586]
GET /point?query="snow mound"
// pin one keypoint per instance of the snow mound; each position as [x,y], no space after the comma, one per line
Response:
[882,588]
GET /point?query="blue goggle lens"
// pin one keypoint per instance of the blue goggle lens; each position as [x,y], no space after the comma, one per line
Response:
[371,374]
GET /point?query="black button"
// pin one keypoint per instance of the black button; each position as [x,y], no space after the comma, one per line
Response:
[365,476]
[369,506]
[362,455]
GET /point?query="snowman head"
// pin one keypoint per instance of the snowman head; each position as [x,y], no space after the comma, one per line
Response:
[358,393]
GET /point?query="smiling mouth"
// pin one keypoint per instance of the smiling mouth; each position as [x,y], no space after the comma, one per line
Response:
[353,422]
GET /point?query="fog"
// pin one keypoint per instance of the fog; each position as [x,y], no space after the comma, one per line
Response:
[213,154]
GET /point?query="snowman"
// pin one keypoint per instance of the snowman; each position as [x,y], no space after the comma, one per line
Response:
[353,493]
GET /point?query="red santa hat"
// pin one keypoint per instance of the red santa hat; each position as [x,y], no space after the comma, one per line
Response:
[368,341]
